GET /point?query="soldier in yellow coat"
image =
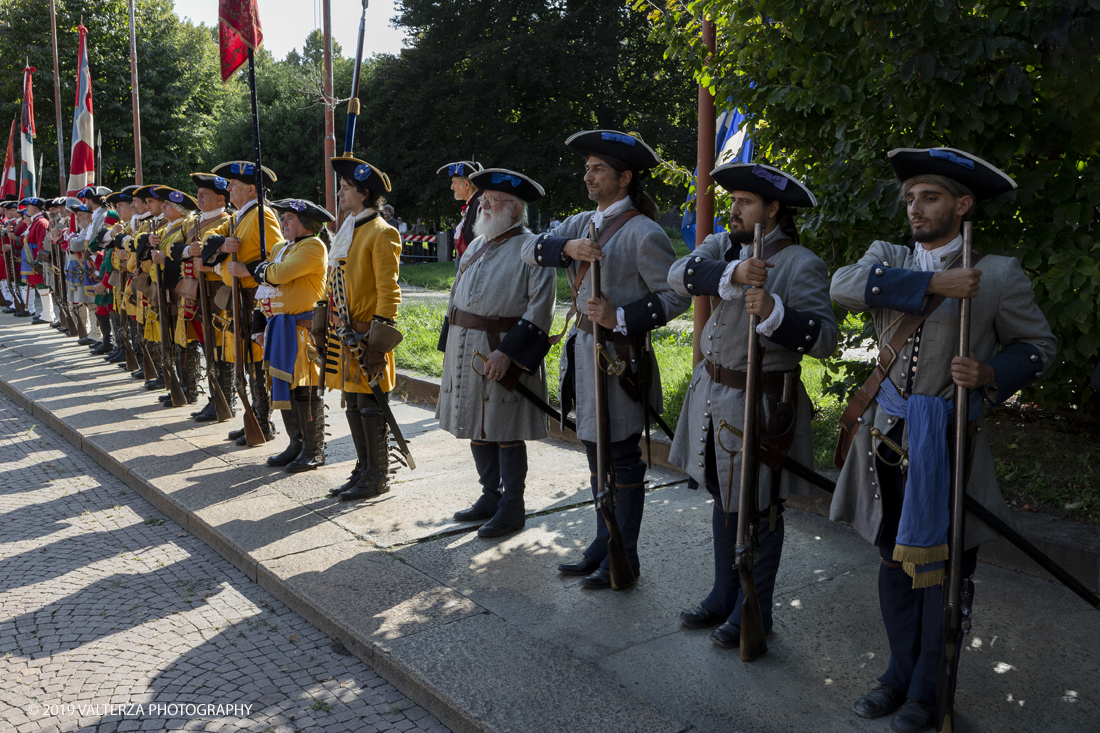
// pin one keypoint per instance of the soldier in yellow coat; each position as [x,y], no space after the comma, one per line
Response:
[116,240]
[135,314]
[212,197]
[148,240]
[179,210]
[292,281]
[363,291]
[241,235]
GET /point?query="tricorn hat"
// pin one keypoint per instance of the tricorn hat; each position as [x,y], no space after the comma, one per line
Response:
[242,170]
[214,182]
[176,197]
[96,193]
[502,179]
[362,173]
[982,178]
[303,208]
[628,148]
[146,192]
[33,201]
[461,168]
[765,180]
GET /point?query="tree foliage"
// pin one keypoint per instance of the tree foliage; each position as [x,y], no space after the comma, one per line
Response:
[179,82]
[833,85]
[506,82]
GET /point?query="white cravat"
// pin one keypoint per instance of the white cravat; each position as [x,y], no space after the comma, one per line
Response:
[208,215]
[615,208]
[245,209]
[935,260]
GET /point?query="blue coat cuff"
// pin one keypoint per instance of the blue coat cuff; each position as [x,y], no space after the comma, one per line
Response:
[526,344]
[897,289]
[441,345]
[259,321]
[1017,365]
[548,251]
[703,275]
[644,315]
[797,331]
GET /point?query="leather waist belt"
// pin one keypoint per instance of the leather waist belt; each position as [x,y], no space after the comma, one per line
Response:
[585,324]
[462,319]
[360,326]
[770,382]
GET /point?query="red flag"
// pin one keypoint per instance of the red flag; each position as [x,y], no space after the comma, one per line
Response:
[239,30]
[82,165]
[11,174]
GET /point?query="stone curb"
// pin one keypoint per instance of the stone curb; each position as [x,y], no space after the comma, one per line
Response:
[408,678]
[1073,545]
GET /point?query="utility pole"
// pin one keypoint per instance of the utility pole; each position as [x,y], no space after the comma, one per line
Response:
[134,99]
[330,124]
[57,102]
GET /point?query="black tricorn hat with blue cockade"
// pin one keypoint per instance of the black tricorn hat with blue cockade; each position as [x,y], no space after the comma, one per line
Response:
[176,197]
[303,208]
[361,173]
[630,149]
[765,180]
[245,171]
[214,182]
[506,181]
[460,168]
[982,178]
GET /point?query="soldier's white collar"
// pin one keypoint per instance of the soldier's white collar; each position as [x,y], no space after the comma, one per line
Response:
[616,208]
[936,260]
[245,209]
[206,216]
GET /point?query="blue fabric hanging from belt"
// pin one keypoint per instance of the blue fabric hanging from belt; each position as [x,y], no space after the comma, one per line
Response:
[921,544]
[281,354]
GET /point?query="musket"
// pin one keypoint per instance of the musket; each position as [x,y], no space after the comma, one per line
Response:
[253,433]
[148,364]
[753,645]
[175,389]
[13,279]
[221,404]
[622,574]
[125,331]
[353,103]
[956,620]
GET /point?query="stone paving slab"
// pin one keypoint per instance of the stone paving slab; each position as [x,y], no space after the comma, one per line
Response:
[486,636]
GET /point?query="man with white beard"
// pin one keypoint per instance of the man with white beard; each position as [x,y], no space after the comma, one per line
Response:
[497,332]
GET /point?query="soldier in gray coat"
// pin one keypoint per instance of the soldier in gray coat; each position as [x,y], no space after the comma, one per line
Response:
[497,331]
[635,258]
[789,290]
[1011,344]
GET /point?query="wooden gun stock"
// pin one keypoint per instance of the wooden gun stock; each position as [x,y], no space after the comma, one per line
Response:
[175,389]
[753,645]
[221,404]
[253,433]
[622,574]
[131,357]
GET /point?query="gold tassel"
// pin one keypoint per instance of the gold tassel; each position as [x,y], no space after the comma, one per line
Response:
[919,555]
[926,579]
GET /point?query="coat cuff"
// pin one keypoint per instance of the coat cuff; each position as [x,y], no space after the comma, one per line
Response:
[798,331]
[1017,365]
[703,275]
[644,315]
[897,289]
[257,269]
[526,344]
[259,321]
[548,251]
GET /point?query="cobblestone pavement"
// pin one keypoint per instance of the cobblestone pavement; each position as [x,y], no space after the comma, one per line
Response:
[112,618]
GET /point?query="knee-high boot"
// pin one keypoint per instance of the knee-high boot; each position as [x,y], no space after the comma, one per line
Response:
[358,439]
[105,344]
[374,478]
[311,414]
[190,375]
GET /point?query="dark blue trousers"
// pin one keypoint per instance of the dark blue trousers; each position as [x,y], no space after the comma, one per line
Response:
[502,473]
[913,617]
[726,596]
[626,457]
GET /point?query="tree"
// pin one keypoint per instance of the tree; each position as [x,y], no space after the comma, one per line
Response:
[178,77]
[506,82]
[834,85]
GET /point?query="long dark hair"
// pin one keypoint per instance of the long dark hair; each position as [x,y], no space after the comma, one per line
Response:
[642,201]
[316,228]
[785,217]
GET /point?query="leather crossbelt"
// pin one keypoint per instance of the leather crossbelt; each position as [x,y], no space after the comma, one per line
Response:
[770,382]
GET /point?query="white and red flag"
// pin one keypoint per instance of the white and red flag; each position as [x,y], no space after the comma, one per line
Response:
[28,183]
[9,182]
[82,165]
[238,30]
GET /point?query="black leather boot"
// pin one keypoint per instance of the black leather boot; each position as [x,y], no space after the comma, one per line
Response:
[359,440]
[293,423]
[311,414]
[375,478]
[105,343]
[190,372]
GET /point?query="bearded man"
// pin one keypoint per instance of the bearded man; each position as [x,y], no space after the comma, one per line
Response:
[500,309]
[900,503]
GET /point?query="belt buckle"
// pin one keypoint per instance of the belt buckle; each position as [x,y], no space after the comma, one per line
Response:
[893,358]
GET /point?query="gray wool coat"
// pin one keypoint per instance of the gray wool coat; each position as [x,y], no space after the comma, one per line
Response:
[634,275]
[1007,330]
[801,281]
[499,284]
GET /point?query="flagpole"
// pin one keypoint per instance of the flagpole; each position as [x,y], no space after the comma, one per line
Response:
[134,99]
[330,124]
[256,151]
[57,102]
[99,159]
[704,196]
